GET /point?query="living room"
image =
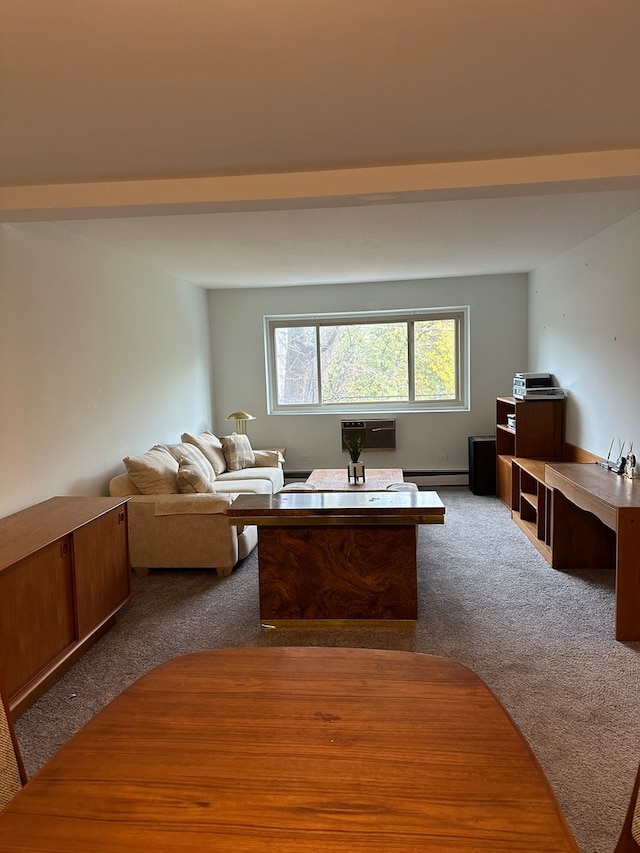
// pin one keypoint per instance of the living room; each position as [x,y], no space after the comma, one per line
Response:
[107,351]
[140,254]
[104,357]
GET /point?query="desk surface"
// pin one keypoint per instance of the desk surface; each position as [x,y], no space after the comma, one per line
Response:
[327,507]
[613,489]
[296,750]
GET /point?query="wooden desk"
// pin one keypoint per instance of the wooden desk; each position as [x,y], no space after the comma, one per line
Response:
[596,524]
[299,750]
[335,479]
[337,555]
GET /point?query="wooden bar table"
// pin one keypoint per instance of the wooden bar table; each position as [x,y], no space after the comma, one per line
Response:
[296,750]
[337,556]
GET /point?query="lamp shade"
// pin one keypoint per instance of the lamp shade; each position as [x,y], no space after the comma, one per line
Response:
[240,416]
[241,419]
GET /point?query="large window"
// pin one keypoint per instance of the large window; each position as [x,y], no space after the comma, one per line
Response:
[376,361]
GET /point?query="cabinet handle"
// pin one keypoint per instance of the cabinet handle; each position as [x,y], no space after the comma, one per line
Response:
[121,517]
[64,549]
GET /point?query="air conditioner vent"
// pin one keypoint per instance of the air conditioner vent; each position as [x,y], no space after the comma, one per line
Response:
[376,435]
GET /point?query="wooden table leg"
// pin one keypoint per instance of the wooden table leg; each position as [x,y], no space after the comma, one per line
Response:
[628,577]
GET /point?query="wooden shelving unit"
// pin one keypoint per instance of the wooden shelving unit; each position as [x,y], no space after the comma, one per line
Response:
[533,511]
[538,434]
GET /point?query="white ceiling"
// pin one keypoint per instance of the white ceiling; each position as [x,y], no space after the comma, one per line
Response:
[265,142]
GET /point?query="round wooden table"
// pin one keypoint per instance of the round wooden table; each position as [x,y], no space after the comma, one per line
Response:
[294,750]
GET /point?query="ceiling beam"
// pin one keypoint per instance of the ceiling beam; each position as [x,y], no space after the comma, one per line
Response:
[518,176]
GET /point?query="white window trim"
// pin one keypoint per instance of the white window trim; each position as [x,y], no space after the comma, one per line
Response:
[462,402]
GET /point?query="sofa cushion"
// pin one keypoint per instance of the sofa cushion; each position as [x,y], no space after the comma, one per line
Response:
[193,477]
[210,446]
[195,455]
[244,487]
[273,477]
[153,472]
[238,452]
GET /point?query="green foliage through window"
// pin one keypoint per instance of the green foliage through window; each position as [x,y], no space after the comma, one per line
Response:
[376,361]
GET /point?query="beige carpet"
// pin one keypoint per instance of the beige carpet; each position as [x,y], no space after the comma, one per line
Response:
[542,640]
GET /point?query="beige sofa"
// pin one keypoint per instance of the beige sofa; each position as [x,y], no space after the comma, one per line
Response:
[179,494]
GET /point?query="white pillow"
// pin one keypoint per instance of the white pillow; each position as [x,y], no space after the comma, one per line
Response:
[210,446]
[190,451]
[238,452]
[192,477]
[153,472]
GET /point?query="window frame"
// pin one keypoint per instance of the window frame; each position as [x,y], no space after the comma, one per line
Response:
[460,314]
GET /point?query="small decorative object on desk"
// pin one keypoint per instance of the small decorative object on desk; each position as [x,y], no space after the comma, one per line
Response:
[355,469]
[630,464]
[623,463]
[619,466]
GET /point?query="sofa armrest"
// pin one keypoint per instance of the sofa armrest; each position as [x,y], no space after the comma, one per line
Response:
[191,504]
[181,531]
[268,458]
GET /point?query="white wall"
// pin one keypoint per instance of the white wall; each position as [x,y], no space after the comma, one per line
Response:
[498,318]
[100,357]
[585,328]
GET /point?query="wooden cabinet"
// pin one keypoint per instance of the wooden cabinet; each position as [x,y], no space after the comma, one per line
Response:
[64,574]
[102,584]
[532,429]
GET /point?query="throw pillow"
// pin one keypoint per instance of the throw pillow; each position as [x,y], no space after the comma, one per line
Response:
[210,446]
[190,451]
[153,472]
[238,452]
[193,477]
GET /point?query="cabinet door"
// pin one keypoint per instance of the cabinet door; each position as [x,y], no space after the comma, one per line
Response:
[101,569]
[37,619]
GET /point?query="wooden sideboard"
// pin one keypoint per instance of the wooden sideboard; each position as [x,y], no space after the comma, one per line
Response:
[64,574]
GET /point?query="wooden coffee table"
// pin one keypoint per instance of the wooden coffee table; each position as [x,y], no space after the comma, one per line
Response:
[335,479]
[337,555]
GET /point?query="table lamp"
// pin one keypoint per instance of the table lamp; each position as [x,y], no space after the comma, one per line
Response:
[241,419]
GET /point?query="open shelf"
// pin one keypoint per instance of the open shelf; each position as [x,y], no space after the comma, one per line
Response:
[532,513]
[538,434]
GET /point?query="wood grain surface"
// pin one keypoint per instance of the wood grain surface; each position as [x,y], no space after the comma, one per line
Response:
[336,480]
[328,507]
[296,750]
[338,573]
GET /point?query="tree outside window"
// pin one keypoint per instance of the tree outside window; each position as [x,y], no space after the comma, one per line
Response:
[368,362]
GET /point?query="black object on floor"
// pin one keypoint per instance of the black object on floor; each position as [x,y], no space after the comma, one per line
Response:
[482,464]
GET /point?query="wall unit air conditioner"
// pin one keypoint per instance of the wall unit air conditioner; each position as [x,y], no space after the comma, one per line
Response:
[376,435]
